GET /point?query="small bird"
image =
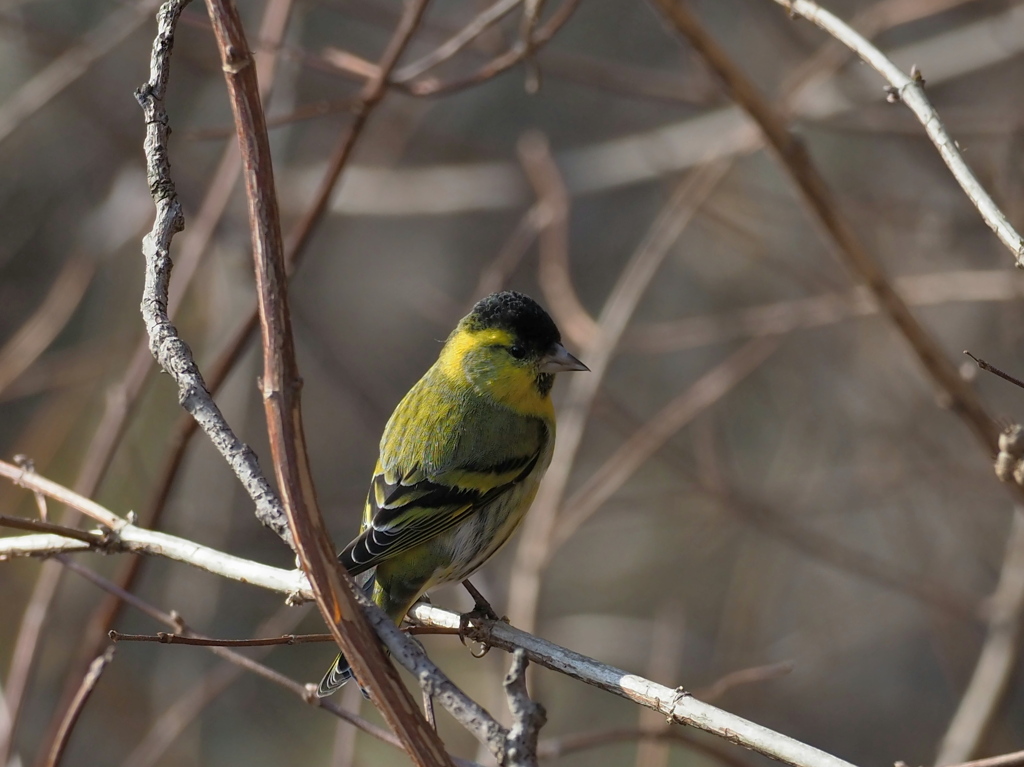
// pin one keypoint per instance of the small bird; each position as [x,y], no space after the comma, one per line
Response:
[460,459]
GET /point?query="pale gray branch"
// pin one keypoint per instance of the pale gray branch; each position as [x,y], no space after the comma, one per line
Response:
[910,90]
[168,348]
[676,704]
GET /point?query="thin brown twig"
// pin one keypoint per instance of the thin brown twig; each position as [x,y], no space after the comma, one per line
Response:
[995,371]
[175,622]
[166,726]
[75,711]
[333,588]
[163,637]
[38,526]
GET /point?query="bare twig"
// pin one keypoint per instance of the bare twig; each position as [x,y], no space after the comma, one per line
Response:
[334,589]
[84,691]
[528,716]
[163,637]
[373,93]
[36,526]
[167,346]
[127,537]
[996,371]
[177,623]
[37,484]
[910,91]
[194,243]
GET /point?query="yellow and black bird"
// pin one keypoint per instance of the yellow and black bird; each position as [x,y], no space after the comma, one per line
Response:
[461,457]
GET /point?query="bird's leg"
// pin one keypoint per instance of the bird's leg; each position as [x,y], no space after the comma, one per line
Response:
[481,609]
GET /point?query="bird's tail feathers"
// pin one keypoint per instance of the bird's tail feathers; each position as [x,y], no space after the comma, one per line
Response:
[340,671]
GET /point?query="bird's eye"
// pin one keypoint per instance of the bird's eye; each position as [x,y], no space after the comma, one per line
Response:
[517,351]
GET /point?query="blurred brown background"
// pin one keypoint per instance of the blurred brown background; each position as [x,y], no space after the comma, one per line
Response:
[825,510]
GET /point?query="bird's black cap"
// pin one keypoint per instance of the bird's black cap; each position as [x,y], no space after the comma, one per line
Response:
[519,315]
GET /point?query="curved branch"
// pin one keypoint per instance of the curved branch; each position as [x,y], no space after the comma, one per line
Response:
[910,90]
[166,345]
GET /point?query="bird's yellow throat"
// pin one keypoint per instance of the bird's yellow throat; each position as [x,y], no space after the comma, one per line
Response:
[510,384]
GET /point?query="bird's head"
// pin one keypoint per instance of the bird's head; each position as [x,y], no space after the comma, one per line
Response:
[508,348]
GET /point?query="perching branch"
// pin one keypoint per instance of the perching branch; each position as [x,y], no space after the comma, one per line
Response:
[677,704]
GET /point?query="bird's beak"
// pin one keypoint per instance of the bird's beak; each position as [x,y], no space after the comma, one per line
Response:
[558,360]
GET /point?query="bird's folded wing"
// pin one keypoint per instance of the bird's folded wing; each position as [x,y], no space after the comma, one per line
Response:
[409,510]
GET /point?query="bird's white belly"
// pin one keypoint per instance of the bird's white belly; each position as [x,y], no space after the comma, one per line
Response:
[468,545]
